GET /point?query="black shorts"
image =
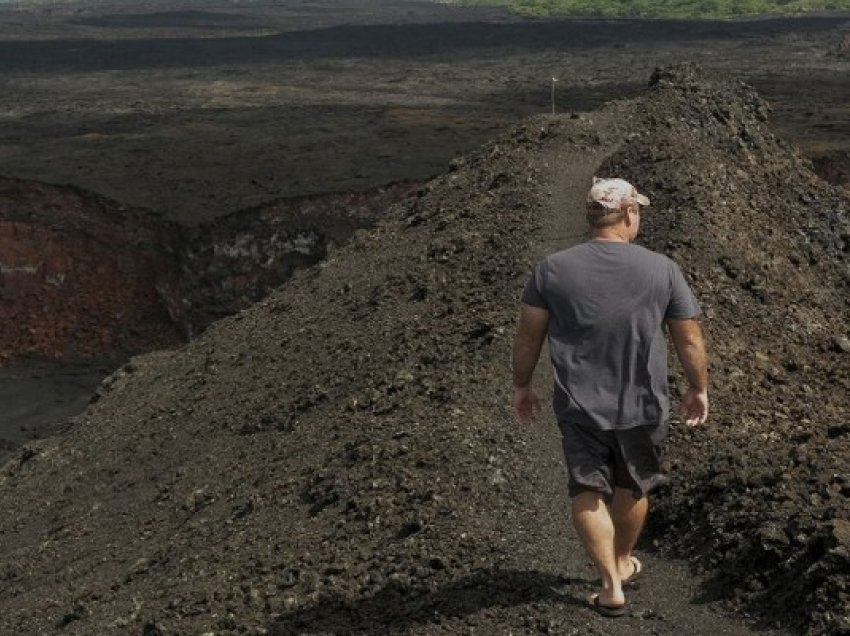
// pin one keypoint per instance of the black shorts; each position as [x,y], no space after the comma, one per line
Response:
[602,460]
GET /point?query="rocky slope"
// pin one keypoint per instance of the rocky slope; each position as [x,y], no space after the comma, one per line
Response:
[340,458]
[762,498]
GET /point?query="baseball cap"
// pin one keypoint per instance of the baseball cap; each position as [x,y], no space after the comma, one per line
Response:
[612,194]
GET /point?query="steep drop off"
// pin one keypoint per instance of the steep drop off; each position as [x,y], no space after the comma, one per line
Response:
[83,276]
[341,458]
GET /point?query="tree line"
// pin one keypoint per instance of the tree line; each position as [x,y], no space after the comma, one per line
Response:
[663,8]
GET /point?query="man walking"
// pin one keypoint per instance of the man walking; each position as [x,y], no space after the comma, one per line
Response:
[603,305]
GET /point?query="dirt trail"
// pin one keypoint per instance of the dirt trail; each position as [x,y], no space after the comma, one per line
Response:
[668,598]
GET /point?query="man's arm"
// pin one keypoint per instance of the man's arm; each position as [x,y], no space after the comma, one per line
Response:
[530,333]
[687,338]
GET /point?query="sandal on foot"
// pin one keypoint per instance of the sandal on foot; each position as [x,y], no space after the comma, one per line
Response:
[609,611]
[637,568]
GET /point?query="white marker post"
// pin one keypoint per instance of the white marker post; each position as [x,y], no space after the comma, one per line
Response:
[554,81]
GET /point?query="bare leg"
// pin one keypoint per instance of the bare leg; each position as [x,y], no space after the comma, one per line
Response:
[595,528]
[628,515]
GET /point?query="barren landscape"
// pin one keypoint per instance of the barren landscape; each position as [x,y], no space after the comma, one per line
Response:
[198,112]
[340,456]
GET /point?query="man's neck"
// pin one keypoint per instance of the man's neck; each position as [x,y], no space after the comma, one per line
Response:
[614,234]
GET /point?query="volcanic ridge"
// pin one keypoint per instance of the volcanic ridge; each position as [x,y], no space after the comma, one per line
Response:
[341,456]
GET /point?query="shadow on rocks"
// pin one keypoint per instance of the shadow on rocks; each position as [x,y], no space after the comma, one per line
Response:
[397,607]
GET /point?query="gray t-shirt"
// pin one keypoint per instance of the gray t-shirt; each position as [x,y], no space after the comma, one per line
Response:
[607,302]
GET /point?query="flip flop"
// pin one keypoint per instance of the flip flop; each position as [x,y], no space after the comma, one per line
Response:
[637,568]
[609,611]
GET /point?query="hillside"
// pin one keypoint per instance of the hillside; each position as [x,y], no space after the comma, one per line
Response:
[341,457]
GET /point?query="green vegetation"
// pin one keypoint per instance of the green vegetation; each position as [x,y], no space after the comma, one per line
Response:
[662,8]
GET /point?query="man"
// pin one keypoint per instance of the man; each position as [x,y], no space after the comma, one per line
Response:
[604,304]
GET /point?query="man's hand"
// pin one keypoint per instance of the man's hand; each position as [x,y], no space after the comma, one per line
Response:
[687,336]
[526,404]
[694,408]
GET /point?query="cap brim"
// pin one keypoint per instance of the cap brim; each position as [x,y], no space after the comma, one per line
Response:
[642,199]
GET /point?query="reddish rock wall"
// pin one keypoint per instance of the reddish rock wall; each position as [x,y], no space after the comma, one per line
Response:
[80,276]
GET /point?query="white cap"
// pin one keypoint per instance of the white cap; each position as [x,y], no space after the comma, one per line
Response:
[613,194]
